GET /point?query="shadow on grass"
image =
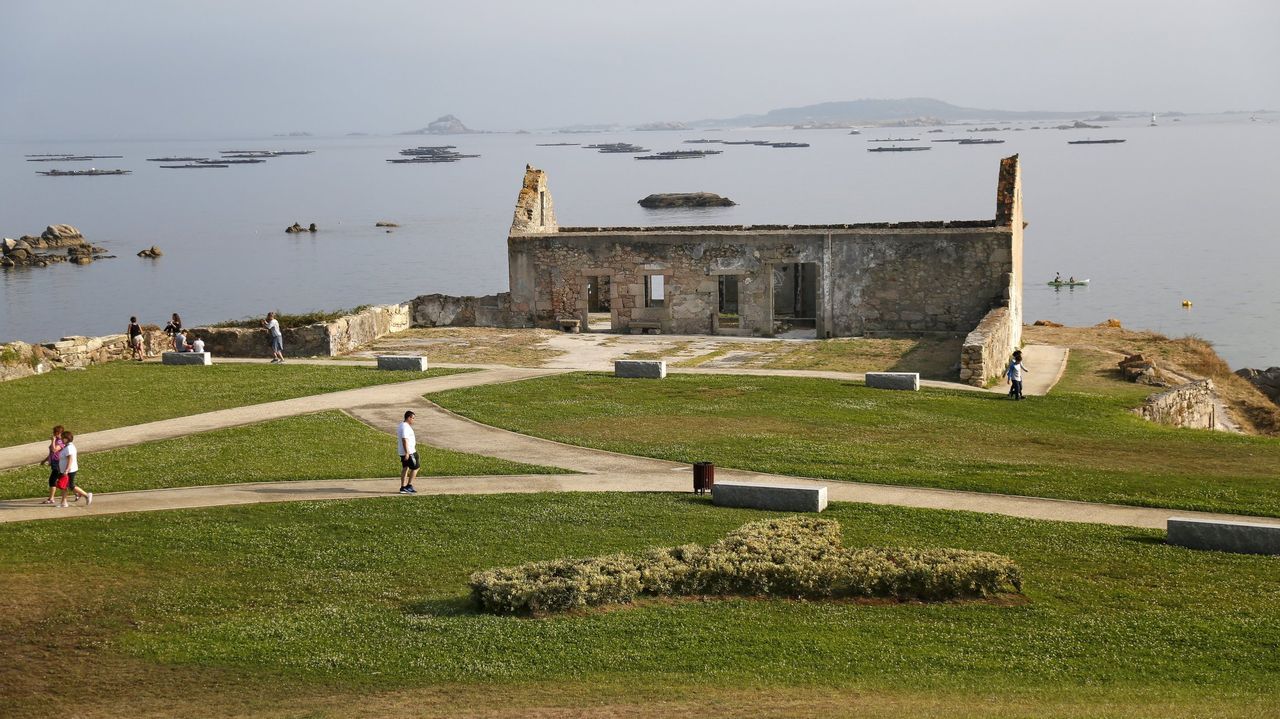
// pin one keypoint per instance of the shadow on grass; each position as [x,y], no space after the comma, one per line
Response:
[443,607]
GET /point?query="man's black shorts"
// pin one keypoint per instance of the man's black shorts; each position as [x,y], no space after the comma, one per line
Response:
[411,461]
[54,474]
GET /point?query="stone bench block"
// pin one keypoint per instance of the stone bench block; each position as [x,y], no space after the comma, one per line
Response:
[414,363]
[647,369]
[1224,536]
[894,380]
[642,326]
[205,358]
[779,497]
[568,324]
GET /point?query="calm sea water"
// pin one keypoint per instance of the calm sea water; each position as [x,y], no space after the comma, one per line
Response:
[1180,211]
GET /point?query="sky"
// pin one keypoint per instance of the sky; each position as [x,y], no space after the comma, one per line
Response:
[139,69]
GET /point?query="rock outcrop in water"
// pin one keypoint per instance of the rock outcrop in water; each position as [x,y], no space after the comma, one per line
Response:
[446,125]
[27,250]
[685,199]
[1266,380]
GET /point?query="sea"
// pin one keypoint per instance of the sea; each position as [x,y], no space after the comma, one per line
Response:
[1181,211]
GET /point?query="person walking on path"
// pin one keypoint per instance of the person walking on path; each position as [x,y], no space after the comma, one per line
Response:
[277,340]
[135,338]
[407,448]
[1014,372]
[55,452]
[68,464]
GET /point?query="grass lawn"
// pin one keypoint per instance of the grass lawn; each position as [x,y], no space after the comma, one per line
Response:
[325,445]
[361,609]
[124,393]
[933,358]
[1078,443]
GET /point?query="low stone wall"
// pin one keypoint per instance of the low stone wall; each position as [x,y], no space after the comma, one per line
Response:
[989,346]
[1190,405]
[19,359]
[319,340]
[453,311]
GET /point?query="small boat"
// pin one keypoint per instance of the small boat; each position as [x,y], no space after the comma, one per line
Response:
[196,166]
[175,159]
[561,144]
[224,161]
[1093,142]
[975,141]
[1067,283]
[897,149]
[702,141]
[788,144]
[895,139]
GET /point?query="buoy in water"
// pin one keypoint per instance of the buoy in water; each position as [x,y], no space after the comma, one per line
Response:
[1186,303]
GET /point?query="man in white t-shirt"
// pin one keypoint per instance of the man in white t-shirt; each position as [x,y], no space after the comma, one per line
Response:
[69,464]
[407,448]
[197,345]
[277,340]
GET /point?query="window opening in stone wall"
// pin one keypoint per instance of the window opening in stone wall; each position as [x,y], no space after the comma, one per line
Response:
[655,291]
[795,297]
[728,303]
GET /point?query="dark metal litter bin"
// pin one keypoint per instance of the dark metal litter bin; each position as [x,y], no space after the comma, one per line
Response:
[704,477]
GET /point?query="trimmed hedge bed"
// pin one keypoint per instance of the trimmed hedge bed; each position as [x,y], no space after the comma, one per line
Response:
[795,557]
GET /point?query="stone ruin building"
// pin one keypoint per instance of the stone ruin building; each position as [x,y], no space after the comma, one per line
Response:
[960,278]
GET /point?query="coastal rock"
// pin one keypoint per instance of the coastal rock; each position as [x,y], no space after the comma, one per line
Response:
[7,244]
[296,228]
[1266,380]
[152,251]
[1140,370]
[1111,323]
[1047,323]
[384,223]
[685,199]
[60,233]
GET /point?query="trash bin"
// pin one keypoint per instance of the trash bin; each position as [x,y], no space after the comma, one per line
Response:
[704,477]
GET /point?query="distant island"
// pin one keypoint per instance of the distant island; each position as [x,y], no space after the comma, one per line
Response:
[659,126]
[444,125]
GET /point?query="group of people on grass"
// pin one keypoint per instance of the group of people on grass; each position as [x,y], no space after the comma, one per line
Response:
[63,464]
[188,341]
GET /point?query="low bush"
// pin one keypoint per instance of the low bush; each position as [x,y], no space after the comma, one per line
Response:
[288,321]
[796,557]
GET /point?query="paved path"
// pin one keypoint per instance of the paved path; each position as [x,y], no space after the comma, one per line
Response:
[1044,367]
[601,472]
[397,394]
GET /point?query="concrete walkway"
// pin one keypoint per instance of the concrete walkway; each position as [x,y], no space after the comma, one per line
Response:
[601,472]
[399,394]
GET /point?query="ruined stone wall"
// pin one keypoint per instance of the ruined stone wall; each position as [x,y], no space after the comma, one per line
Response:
[1191,405]
[880,279]
[989,347]
[325,339]
[438,310]
[19,359]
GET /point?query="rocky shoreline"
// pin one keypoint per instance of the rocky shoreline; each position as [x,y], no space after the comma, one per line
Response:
[31,251]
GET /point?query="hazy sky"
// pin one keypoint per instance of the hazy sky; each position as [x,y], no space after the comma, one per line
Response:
[182,68]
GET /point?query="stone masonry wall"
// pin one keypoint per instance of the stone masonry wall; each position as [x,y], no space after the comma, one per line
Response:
[1190,405]
[451,311]
[19,359]
[988,348]
[325,339]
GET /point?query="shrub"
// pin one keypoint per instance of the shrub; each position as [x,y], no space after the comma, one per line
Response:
[796,557]
[288,321]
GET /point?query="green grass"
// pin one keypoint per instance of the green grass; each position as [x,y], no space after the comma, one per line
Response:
[325,445]
[1078,443]
[125,393]
[308,593]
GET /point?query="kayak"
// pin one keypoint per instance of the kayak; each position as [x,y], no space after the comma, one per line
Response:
[1065,283]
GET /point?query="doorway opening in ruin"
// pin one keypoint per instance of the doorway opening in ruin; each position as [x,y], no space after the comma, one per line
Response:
[599,315]
[795,299]
[727,316]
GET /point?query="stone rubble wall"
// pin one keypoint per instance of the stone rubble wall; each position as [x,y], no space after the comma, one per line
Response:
[1193,405]
[326,339]
[438,310]
[988,348]
[19,359]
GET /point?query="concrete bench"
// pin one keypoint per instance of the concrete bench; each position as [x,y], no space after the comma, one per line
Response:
[1224,536]
[414,363]
[641,327]
[203,358]
[894,380]
[646,369]
[569,324]
[780,497]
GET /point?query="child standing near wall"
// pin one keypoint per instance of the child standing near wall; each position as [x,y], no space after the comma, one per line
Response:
[1014,372]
